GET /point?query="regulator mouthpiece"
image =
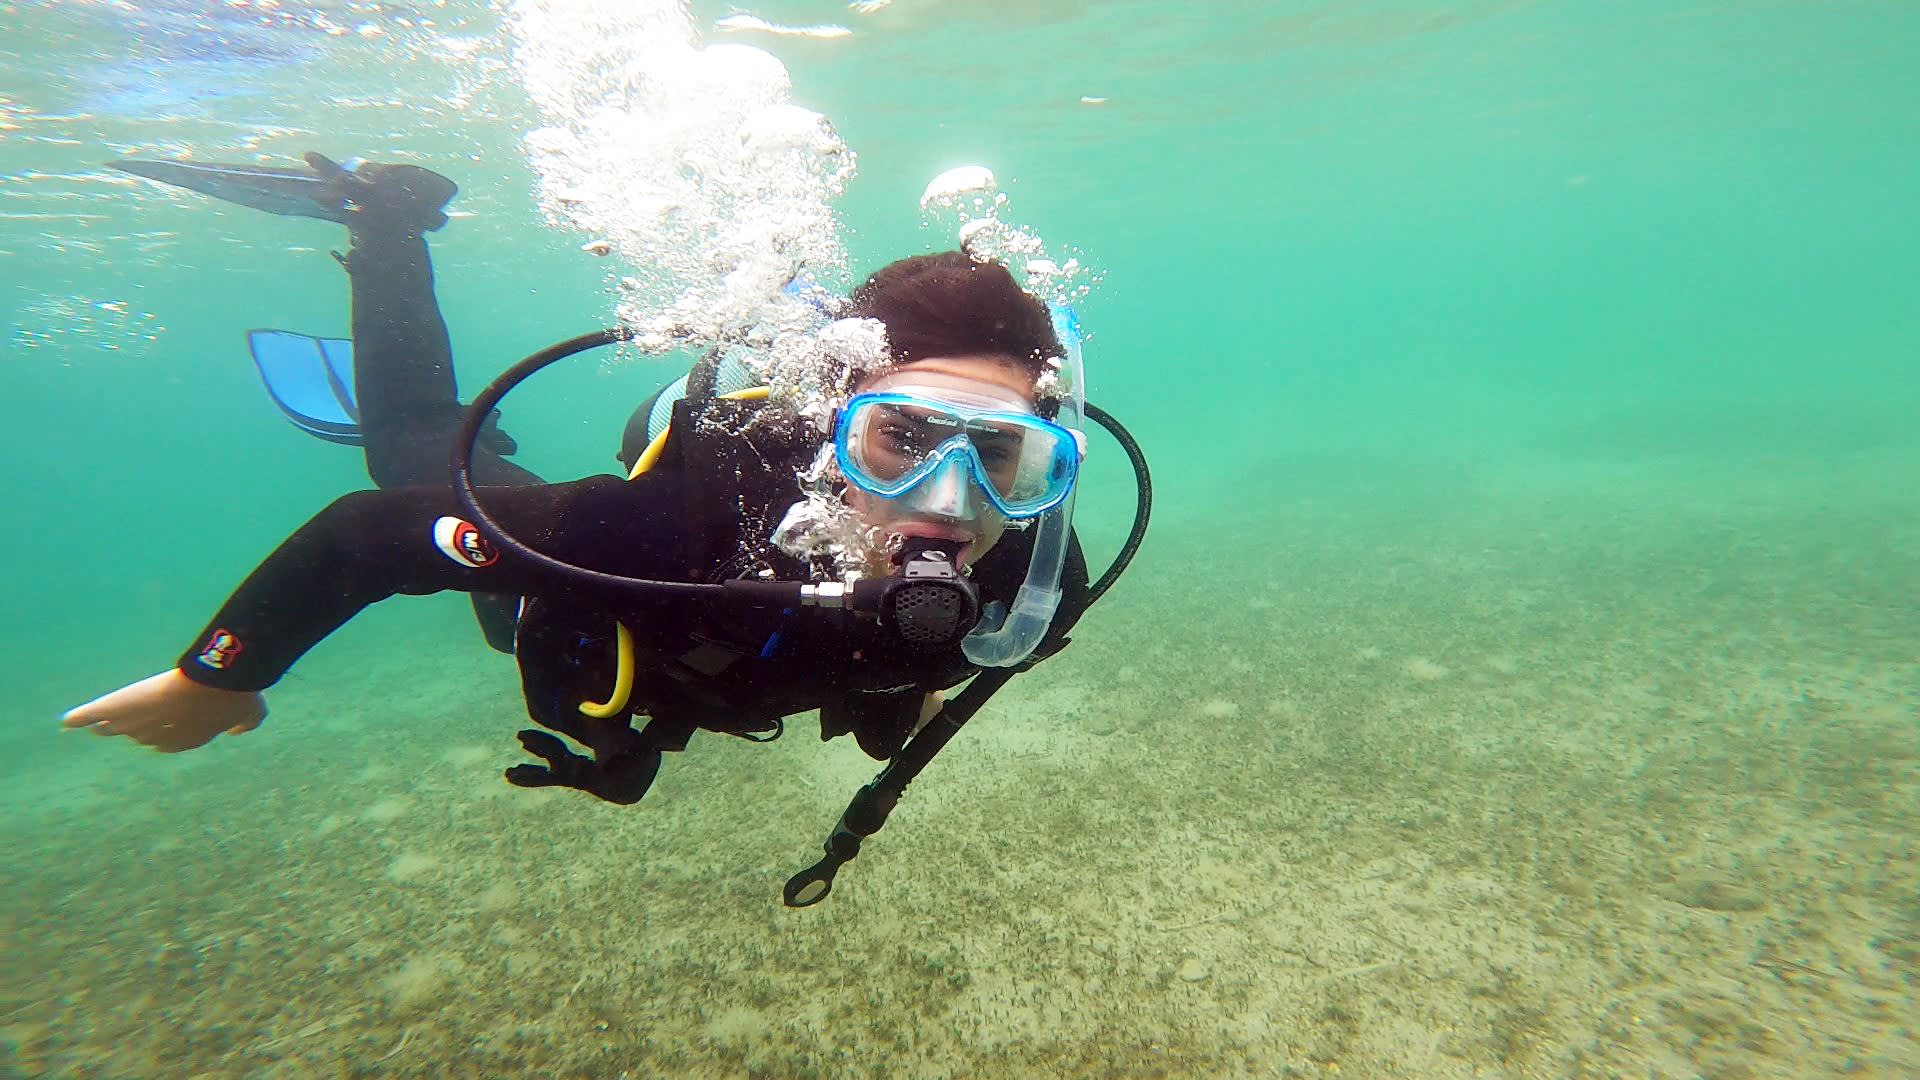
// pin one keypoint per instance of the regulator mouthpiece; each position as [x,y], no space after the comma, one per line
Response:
[928,603]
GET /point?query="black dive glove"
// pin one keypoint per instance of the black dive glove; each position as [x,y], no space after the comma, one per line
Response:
[622,778]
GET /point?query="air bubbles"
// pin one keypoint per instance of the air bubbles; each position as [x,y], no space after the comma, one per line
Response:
[789,128]
[968,200]
[955,186]
[741,22]
[692,162]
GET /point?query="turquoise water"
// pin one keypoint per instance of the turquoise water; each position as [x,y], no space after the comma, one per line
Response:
[1521,679]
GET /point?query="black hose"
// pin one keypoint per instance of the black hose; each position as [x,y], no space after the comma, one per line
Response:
[463,446]
[1143,500]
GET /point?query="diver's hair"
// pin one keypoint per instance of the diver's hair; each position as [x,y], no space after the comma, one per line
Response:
[951,304]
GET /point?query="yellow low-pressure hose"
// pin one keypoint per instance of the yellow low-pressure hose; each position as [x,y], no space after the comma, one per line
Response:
[622,677]
[659,444]
[623,637]
[651,454]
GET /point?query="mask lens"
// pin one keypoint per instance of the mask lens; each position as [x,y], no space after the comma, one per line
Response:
[894,439]
[1003,452]
[1025,461]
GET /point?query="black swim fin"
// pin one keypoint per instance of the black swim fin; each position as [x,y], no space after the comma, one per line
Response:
[292,192]
[403,195]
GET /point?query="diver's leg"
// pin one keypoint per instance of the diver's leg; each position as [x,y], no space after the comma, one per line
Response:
[403,362]
[403,368]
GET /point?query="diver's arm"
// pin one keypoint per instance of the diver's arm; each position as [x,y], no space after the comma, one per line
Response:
[370,545]
[364,548]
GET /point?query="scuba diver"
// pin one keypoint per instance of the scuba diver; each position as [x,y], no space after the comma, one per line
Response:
[675,599]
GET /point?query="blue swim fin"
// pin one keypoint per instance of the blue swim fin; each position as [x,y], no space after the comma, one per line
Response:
[311,379]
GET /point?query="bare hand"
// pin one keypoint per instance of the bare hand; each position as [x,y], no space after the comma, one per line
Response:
[170,712]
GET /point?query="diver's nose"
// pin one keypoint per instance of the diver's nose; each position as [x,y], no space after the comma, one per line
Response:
[948,492]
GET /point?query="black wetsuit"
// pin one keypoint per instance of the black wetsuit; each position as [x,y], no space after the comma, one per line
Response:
[403,367]
[403,378]
[703,513]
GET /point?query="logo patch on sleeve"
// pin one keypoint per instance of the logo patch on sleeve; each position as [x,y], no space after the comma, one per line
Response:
[221,649]
[460,541]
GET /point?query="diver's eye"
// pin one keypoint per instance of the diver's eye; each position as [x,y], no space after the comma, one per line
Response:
[995,455]
[995,447]
[899,438]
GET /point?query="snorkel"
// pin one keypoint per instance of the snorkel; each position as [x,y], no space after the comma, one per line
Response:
[1008,635]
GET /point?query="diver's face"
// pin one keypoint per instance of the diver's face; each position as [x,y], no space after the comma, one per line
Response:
[950,509]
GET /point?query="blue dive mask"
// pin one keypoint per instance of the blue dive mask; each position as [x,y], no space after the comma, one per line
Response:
[939,447]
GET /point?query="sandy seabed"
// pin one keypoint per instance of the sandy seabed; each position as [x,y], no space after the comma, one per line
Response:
[1600,796]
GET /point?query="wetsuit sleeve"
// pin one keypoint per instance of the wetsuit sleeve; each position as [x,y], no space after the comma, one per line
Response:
[370,545]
